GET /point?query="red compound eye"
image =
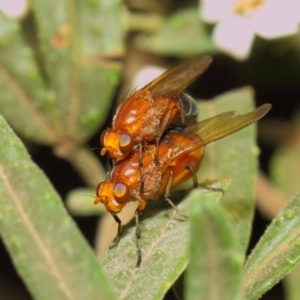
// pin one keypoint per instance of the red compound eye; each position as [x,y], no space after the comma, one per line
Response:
[126,143]
[121,192]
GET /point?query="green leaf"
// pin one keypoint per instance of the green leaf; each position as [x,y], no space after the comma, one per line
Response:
[182,34]
[71,37]
[165,239]
[46,247]
[234,156]
[66,89]
[79,202]
[215,267]
[277,252]
[23,93]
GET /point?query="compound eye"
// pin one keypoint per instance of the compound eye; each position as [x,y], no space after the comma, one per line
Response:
[103,137]
[125,143]
[121,192]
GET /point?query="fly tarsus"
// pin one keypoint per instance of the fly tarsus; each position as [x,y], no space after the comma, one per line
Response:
[138,235]
[117,238]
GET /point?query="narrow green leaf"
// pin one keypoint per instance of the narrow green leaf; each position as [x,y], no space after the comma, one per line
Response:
[165,239]
[234,156]
[23,94]
[277,252]
[79,202]
[71,38]
[46,247]
[185,34]
[100,27]
[74,94]
[215,267]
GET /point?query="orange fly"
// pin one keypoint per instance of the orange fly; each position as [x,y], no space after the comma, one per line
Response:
[147,114]
[179,154]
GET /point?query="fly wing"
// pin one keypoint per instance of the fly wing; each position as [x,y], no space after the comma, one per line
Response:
[231,125]
[174,81]
[218,127]
[210,123]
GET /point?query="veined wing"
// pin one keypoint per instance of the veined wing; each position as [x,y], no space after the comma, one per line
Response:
[209,123]
[175,80]
[218,127]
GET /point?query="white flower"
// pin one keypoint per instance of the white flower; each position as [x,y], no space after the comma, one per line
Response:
[240,20]
[15,9]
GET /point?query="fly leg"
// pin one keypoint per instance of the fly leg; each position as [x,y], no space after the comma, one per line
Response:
[140,146]
[117,238]
[167,195]
[163,127]
[202,185]
[138,232]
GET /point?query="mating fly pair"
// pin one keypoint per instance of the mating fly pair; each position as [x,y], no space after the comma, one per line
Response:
[152,155]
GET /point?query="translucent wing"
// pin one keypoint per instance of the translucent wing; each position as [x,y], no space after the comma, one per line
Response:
[174,81]
[210,123]
[218,127]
